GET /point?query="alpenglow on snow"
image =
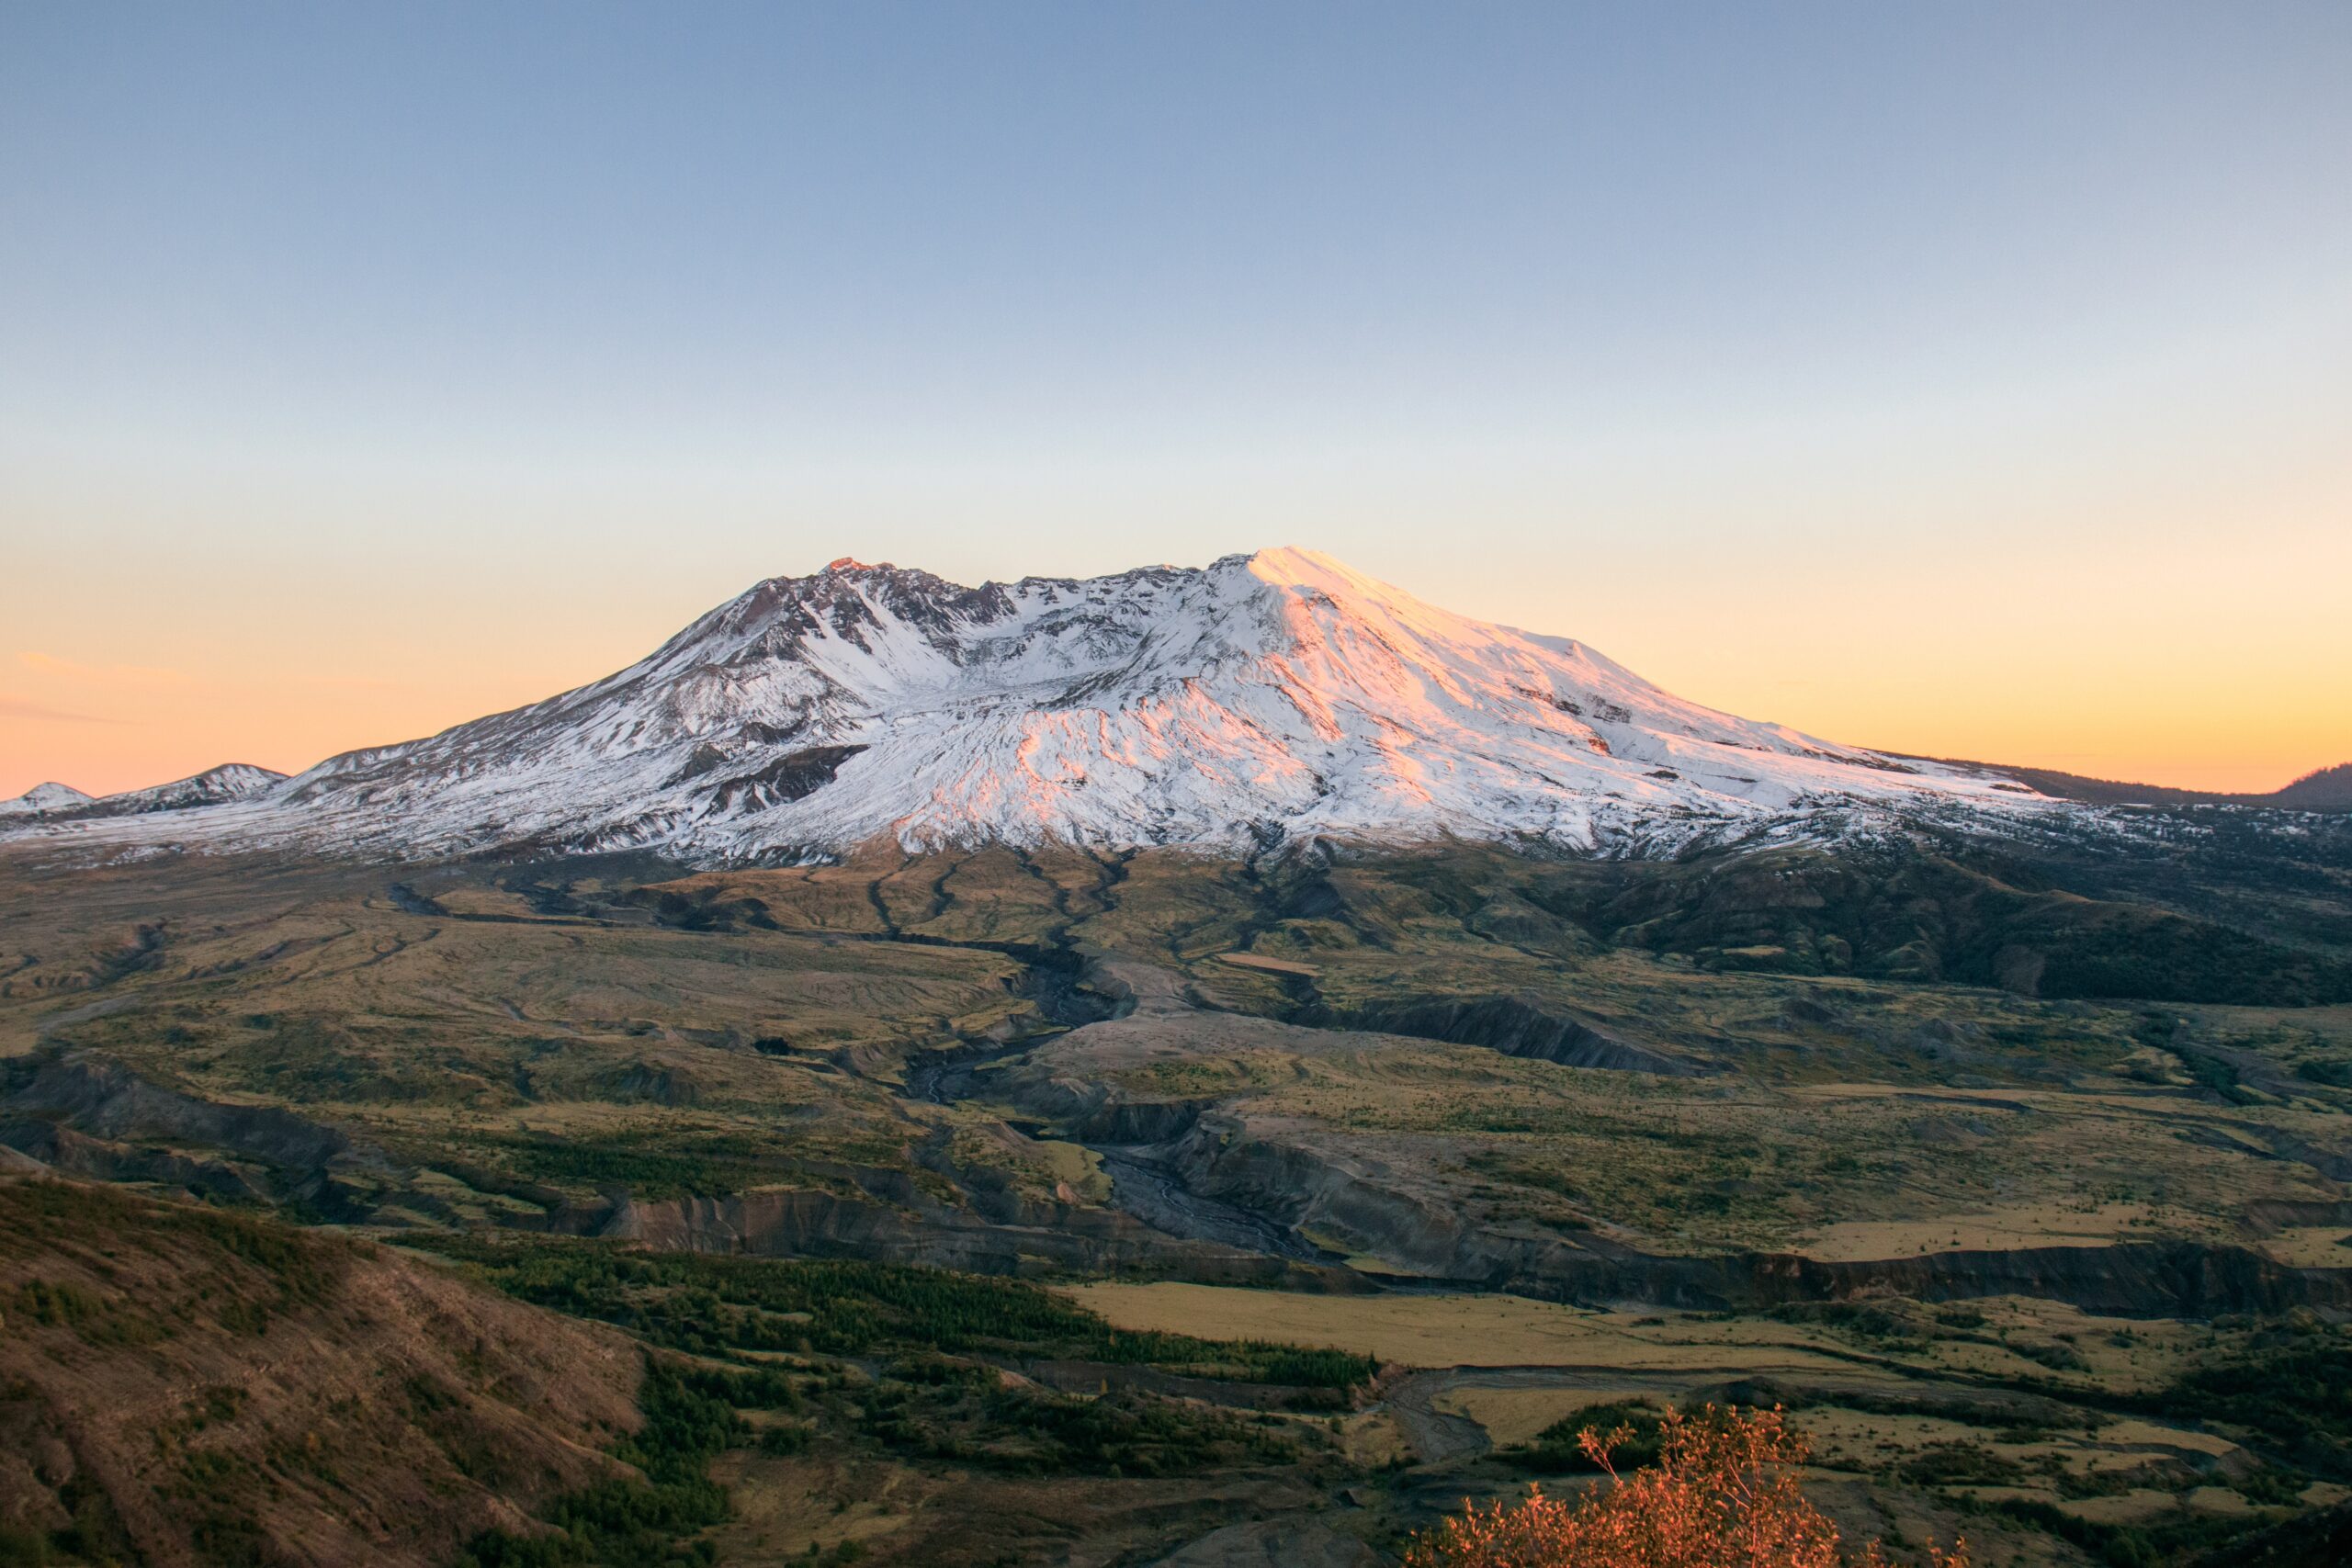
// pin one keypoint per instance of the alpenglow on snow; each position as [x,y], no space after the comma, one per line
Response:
[1270,698]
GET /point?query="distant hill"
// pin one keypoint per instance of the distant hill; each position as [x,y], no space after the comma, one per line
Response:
[50,796]
[2328,789]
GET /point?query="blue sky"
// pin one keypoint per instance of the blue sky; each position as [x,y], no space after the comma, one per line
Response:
[535,329]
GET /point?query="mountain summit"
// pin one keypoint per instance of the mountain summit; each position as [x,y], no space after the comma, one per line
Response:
[1267,697]
[50,796]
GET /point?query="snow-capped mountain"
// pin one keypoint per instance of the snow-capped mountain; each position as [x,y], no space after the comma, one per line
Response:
[214,786]
[1261,698]
[41,797]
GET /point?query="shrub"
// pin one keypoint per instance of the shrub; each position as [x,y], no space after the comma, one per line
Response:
[1720,1496]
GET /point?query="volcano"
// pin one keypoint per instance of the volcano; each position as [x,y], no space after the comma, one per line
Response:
[1263,699]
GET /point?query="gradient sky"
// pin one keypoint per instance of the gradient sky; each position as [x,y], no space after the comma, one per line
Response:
[1974,380]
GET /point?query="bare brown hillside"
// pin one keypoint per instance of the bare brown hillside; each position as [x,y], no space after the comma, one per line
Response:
[180,1385]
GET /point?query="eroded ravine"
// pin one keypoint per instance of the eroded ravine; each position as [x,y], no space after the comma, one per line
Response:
[1227,1184]
[1155,1193]
[1145,1183]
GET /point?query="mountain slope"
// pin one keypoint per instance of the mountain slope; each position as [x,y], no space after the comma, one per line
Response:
[1262,697]
[180,1385]
[214,786]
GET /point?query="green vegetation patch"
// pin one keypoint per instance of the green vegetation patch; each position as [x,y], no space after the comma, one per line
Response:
[636,1523]
[1559,1447]
[931,1400]
[708,1305]
[972,1420]
[652,1163]
[2292,1388]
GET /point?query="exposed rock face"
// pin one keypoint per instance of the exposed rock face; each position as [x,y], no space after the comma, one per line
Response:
[793,776]
[2175,1279]
[1021,1238]
[1517,1026]
[85,1113]
[105,1099]
[61,1149]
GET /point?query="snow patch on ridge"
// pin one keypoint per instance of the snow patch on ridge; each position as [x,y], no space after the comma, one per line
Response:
[58,803]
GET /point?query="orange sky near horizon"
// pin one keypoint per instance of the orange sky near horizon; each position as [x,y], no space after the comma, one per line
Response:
[2179,667]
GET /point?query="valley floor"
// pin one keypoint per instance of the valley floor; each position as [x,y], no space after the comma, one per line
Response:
[1515,1139]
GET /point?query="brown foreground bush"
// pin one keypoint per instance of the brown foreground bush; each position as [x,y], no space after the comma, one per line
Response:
[1720,1496]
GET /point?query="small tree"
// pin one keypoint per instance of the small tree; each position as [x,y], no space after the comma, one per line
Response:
[1720,1496]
